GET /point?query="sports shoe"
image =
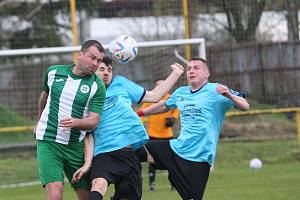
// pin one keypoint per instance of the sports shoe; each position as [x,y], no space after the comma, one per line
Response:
[151,187]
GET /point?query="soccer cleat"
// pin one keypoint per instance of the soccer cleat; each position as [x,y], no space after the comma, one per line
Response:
[151,187]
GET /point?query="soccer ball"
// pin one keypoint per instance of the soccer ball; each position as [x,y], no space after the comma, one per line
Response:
[255,164]
[123,49]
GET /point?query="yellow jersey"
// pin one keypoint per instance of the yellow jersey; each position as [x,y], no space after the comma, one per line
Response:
[156,124]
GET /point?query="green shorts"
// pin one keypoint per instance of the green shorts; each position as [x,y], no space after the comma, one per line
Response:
[54,159]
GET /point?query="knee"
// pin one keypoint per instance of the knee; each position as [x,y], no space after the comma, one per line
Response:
[54,190]
[99,184]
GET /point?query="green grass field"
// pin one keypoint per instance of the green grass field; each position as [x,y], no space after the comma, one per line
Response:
[278,179]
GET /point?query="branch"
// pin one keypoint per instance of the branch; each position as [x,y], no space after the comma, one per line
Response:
[3,3]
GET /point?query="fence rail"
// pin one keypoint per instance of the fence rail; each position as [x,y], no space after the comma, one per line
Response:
[229,114]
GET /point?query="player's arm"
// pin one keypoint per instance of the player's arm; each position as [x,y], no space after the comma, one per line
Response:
[158,92]
[42,103]
[87,123]
[144,105]
[154,109]
[88,157]
[41,107]
[240,102]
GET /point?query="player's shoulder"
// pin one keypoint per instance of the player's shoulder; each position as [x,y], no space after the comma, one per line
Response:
[122,80]
[95,79]
[212,84]
[182,89]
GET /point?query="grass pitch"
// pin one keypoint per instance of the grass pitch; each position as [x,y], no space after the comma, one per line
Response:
[278,179]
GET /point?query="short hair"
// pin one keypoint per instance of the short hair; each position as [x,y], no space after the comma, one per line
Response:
[107,61]
[200,59]
[87,44]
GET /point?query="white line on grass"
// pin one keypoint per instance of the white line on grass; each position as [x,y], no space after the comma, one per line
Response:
[26,184]
[20,185]
[32,183]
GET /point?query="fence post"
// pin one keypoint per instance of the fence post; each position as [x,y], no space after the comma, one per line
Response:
[298,126]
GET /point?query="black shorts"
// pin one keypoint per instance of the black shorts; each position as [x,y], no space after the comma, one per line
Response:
[121,168]
[189,178]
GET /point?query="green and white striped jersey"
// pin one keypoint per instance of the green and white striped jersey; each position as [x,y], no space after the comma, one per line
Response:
[69,95]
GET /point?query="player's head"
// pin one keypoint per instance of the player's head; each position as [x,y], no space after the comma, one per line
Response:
[105,71]
[90,55]
[197,72]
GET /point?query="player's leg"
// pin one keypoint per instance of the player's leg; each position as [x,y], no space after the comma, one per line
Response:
[189,178]
[54,191]
[129,186]
[74,159]
[50,163]
[151,172]
[99,188]
[100,176]
[82,193]
[107,168]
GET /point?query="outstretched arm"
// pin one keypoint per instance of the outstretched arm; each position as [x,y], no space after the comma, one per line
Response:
[157,108]
[239,102]
[88,157]
[158,92]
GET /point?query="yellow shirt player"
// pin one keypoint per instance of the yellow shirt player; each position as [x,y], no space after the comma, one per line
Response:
[159,127]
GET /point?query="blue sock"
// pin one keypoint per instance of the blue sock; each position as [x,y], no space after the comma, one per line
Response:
[94,195]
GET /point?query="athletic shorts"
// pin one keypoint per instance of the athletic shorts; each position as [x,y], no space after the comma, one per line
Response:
[121,168]
[188,177]
[54,159]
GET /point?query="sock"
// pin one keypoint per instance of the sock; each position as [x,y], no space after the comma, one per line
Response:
[94,195]
[151,173]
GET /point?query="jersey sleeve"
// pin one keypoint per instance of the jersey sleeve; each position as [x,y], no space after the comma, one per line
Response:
[45,85]
[170,102]
[97,101]
[135,92]
[228,103]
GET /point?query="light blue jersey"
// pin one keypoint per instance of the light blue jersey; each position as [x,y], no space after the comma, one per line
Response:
[202,113]
[119,125]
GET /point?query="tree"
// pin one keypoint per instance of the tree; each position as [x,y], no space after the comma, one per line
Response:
[291,7]
[27,24]
[243,17]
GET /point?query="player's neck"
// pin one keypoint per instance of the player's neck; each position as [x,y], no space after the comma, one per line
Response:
[78,72]
[197,86]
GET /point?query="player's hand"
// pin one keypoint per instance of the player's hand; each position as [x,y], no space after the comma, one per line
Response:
[66,123]
[223,90]
[80,173]
[170,121]
[177,68]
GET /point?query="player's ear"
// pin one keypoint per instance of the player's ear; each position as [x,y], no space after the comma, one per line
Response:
[80,53]
[207,74]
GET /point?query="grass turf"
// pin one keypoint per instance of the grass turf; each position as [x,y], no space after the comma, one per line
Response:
[231,179]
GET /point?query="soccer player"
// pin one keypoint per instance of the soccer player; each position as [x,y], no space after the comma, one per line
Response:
[202,107]
[159,127]
[120,131]
[69,106]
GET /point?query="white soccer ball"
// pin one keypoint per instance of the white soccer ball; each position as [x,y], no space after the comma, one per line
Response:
[123,49]
[255,164]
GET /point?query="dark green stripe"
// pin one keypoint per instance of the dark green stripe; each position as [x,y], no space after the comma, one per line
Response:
[56,90]
[78,106]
